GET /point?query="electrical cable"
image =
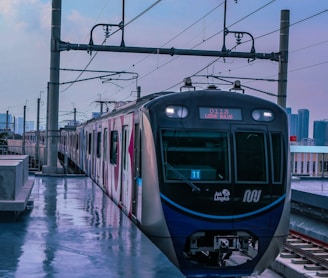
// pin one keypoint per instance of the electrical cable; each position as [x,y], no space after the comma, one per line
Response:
[216,59]
[93,57]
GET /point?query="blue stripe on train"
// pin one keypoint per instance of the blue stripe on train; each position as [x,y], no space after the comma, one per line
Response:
[198,214]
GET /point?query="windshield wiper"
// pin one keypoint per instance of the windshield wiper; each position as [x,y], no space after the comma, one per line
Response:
[175,171]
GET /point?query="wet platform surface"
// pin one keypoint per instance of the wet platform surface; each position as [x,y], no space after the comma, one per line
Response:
[74,230]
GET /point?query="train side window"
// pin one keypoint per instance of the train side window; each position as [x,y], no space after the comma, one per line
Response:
[89,143]
[277,156]
[251,159]
[99,144]
[113,147]
[105,144]
[77,141]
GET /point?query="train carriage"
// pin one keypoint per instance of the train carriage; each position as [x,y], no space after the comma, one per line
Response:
[205,174]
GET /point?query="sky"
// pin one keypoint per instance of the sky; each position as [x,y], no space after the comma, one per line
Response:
[25,30]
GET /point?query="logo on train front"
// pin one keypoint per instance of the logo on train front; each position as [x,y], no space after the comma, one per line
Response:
[222,196]
[252,196]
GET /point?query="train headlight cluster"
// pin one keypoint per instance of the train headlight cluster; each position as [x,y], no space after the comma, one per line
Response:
[263,115]
[176,111]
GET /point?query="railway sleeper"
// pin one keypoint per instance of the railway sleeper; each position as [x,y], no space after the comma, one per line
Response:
[317,250]
[300,261]
[322,273]
[288,255]
[313,267]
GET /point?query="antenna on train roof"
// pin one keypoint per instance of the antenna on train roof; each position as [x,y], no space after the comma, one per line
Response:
[237,86]
[187,83]
[212,87]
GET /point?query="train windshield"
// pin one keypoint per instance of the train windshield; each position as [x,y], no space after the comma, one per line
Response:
[251,165]
[195,156]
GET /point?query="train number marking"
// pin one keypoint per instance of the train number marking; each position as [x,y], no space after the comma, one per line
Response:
[252,196]
[223,196]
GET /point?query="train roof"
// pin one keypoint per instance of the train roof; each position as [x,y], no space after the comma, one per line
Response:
[136,104]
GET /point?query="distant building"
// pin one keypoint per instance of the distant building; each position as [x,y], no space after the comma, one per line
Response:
[4,123]
[303,123]
[298,123]
[320,132]
[19,125]
[29,125]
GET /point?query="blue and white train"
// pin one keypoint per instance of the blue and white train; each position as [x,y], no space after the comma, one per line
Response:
[204,174]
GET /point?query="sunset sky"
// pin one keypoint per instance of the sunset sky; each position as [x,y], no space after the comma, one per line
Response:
[185,24]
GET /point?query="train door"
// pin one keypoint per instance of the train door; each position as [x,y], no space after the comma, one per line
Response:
[98,158]
[105,160]
[82,149]
[137,184]
[93,156]
[88,135]
[124,166]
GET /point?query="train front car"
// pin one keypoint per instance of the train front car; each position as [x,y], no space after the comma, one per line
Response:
[223,179]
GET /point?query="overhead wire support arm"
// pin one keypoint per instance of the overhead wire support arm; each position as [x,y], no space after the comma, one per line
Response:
[66,46]
[238,34]
[107,31]
[106,27]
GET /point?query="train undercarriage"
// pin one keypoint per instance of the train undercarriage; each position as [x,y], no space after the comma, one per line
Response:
[221,249]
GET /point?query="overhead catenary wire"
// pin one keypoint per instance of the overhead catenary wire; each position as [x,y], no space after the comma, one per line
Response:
[213,61]
[198,44]
[147,74]
[266,34]
[277,30]
[93,57]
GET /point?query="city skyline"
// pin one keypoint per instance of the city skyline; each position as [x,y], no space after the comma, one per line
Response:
[302,130]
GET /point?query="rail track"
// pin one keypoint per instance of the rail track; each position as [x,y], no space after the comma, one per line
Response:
[307,256]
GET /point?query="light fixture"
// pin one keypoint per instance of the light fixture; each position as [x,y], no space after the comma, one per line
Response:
[176,111]
[262,115]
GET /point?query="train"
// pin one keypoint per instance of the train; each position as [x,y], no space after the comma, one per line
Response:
[203,173]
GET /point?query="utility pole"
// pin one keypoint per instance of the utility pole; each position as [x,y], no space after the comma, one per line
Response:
[14,128]
[53,93]
[37,144]
[7,120]
[24,128]
[74,116]
[283,61]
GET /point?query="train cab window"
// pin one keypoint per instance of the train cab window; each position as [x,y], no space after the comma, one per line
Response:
[277,155]
[250,156]
[113,147]
[195,155]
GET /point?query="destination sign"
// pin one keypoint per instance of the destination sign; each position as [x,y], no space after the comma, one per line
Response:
[220,113]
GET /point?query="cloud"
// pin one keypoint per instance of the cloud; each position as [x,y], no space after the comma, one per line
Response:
[25,15]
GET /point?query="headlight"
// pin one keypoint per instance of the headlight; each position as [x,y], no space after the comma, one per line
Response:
[176,111]
[263,115]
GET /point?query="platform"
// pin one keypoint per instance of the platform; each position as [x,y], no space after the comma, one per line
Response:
[76,231]
[15,186]
[309,207]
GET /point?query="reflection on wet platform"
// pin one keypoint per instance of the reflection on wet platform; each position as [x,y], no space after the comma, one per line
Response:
[74,230]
